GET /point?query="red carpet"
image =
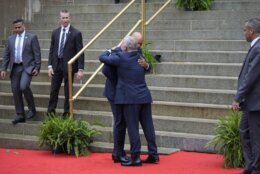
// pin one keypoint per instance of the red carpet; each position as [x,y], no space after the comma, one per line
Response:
[43,162]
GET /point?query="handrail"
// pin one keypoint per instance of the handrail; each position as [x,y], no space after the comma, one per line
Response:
[84,48]
[100,67]
[144,24]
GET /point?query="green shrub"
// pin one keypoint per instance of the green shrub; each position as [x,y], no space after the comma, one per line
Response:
[227,139]
[72,136]
[194,5]
[149,57]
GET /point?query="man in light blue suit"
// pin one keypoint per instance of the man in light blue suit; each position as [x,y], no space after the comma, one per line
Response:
[247,99]
[134,97]
[24,56]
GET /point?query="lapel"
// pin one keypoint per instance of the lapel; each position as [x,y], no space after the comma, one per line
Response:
[68,36]
[12,41]
[25,40]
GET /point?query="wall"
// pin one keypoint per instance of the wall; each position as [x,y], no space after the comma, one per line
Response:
[13,9]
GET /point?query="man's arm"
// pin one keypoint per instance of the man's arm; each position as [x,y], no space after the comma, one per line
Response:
[6,60]
[108,58]
[51,53]
[251,76]
[37,55]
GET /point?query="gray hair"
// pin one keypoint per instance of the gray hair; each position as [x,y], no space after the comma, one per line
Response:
[254,23]
[130,43]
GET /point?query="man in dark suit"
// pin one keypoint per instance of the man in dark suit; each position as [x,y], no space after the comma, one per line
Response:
[134,97]
[66,42]
[24,55]
[247,99]
[119,125]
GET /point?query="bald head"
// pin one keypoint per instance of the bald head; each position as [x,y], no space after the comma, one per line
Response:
[139,38]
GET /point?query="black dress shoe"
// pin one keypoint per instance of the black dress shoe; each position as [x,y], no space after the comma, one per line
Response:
[119,159]
[132,162]
[151,159]
[30,114]
[18,120]
[117,1]
[247,171]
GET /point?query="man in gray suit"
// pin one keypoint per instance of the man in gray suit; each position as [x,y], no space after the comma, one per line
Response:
[247,99]
[24,55]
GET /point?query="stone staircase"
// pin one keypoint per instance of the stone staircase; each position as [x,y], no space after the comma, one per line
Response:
[193,85]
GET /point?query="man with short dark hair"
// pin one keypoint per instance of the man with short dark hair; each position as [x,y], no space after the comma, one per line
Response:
[247,99]
[66,42]
[24,55]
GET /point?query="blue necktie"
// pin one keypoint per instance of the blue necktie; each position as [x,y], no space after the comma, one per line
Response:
[62,43]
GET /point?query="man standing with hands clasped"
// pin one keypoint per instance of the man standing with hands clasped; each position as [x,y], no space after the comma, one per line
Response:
[24,55]
[66,42]
[247,99]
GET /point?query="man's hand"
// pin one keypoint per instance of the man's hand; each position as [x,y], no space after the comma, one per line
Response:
[35,72]
[3,74]
[143,63]
[235,105]
[50,72]
[79,74]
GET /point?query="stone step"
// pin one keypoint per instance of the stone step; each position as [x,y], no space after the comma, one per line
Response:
[101,8]
[174,45]
[161,123]
[157,24]
[235,5]
[150,7]
[174,15]
[171,94]
[192,142]
[17,141]
[108,147]
[183,141]
[159,80]
[176,109]
[193,68]
[179,68]
[159,34]
[166,56]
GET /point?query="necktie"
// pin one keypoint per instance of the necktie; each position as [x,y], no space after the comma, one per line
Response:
[62,43]
[18,56]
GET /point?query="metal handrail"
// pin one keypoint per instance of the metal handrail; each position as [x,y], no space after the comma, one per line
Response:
[100,67]
[87,46]
[141,21]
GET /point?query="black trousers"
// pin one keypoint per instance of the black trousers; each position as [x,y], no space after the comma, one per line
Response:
[135,113]
[119,129]
[250,139]
[56,81]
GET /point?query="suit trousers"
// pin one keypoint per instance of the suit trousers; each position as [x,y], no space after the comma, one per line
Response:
[134,113]
[254,133]
[245,140]
[56,81]
[119,129]
[20,84]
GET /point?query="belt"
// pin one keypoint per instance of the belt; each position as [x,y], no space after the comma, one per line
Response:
[18,63]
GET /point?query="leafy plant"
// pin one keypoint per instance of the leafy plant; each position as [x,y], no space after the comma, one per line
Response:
[227,139]
[149,57]
[67,134]
[194,5]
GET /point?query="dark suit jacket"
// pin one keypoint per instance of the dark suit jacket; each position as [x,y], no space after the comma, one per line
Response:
[73,45]
[248,88]
[31,53]
[131,87]
[111,74]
